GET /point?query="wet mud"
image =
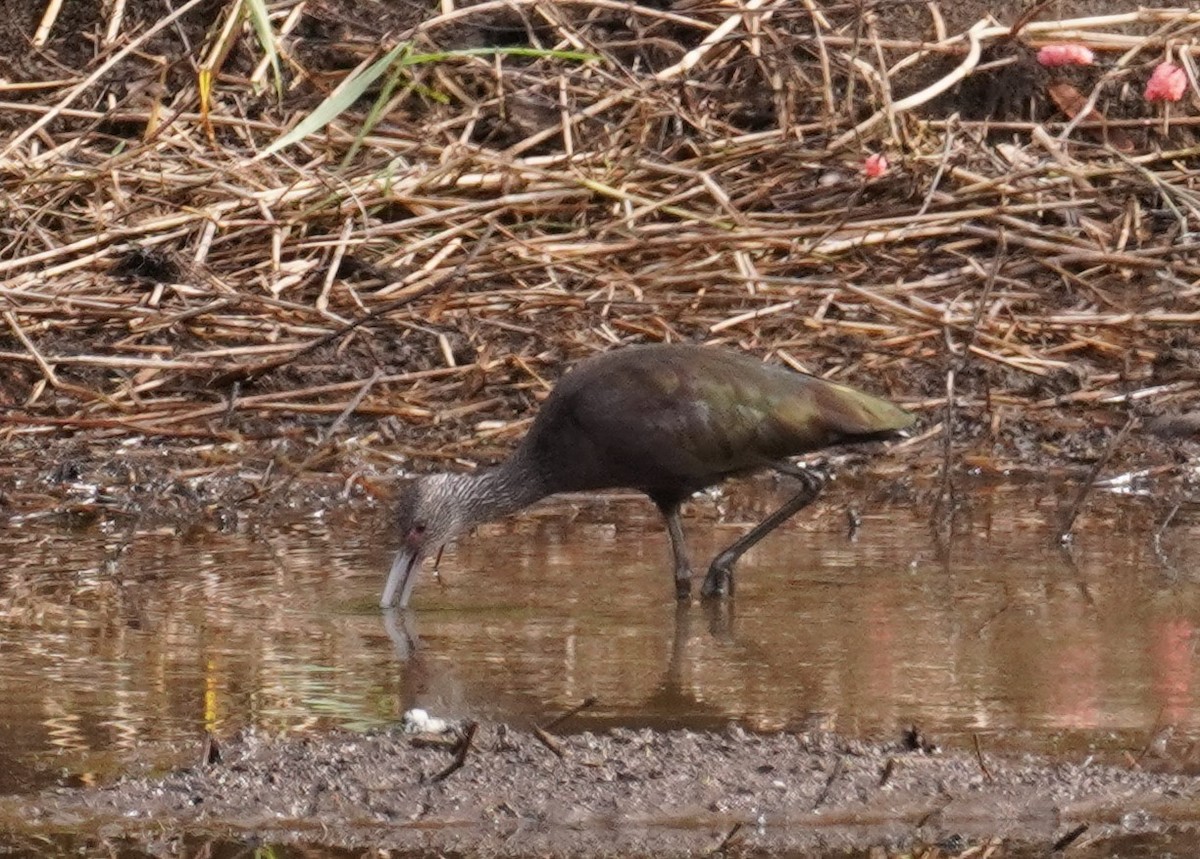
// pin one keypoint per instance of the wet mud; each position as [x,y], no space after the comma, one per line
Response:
[623,792]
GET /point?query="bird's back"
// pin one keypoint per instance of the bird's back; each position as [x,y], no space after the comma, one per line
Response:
[671,419]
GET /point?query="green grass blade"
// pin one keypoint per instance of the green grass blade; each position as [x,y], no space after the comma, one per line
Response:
[354,86]
[339,101]
[260,17]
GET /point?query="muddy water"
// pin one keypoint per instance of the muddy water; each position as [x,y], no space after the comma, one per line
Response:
[118,659]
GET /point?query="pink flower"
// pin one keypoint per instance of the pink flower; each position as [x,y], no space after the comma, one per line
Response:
[1065,55]
[875,166]
[1167,83]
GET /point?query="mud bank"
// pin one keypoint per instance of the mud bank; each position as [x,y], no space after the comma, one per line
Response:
[626,792]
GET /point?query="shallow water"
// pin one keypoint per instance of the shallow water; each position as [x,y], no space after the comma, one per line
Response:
[115,660]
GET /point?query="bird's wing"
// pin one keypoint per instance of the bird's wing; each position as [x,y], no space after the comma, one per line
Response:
[717,414]
[668,421]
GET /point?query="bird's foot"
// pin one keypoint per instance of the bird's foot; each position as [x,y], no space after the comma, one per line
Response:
[719,581]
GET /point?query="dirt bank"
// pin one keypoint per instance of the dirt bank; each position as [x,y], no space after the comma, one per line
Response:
[402,286]
[626,793]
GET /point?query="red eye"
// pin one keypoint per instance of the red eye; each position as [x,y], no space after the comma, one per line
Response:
[415,535]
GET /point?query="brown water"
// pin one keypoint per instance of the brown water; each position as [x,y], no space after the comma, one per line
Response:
[113,662]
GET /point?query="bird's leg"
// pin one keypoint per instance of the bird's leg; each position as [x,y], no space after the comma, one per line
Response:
[683,567]
[719,581]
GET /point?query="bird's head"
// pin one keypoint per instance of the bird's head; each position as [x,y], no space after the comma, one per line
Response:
[429,513]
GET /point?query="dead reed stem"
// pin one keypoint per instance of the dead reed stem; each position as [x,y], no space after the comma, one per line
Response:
[699,179]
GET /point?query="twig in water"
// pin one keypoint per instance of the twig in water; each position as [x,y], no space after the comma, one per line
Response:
[1157,733]
[590,701]
[210,751]
[542,732]
[1064,534]
[979,758]
[1161,530]
[945,499]
[1157,540]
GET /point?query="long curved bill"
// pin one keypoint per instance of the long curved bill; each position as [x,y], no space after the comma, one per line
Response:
[401,579]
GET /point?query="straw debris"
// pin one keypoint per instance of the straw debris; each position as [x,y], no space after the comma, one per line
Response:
[529,182]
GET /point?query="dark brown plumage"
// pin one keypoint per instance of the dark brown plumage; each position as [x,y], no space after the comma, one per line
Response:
[668,420]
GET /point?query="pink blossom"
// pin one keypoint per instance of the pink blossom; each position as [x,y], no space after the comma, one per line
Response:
[1065,55]
[875,165]
[1167,83]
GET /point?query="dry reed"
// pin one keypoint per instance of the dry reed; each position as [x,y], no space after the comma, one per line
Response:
[699,179]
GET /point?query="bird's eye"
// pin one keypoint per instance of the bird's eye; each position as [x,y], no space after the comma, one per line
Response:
[416,535]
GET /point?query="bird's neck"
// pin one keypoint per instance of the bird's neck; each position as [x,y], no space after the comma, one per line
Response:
[496,492]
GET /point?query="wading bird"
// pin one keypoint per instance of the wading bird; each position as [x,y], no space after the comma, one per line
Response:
[668,420]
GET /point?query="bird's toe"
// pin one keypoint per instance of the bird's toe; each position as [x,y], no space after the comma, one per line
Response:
[718,582]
